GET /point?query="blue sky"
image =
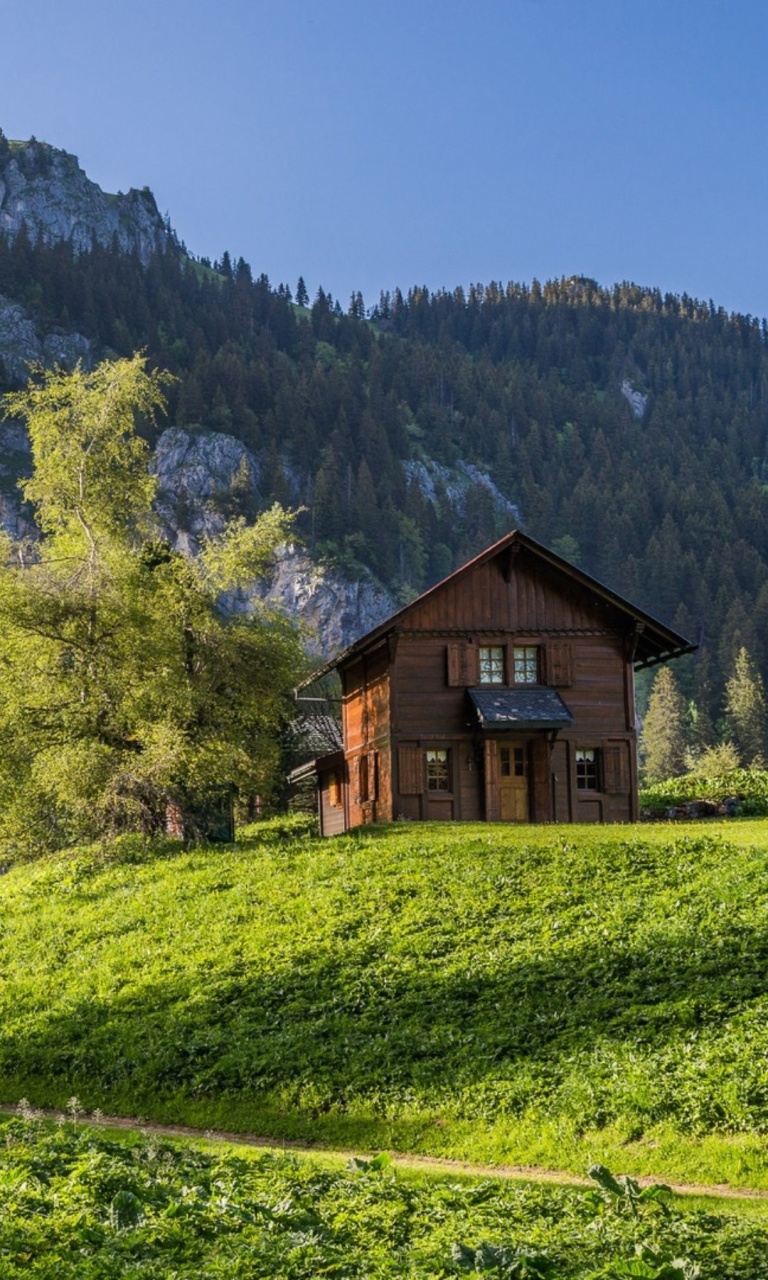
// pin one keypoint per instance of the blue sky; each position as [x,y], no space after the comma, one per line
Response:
[367,144]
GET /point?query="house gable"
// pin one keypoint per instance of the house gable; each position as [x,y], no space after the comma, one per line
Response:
[503,693]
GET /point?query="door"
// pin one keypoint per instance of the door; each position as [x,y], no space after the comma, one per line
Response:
[513,782]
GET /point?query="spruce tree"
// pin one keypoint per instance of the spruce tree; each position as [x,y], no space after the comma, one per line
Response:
[662,744]
[745,710]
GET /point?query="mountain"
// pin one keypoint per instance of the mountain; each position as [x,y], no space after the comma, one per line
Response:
[626,427]
[44,190]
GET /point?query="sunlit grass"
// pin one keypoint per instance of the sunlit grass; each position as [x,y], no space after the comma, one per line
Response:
[548,995]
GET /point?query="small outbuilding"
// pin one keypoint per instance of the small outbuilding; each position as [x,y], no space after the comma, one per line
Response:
[505,693]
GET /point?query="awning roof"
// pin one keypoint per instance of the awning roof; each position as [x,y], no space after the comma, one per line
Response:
[524,708]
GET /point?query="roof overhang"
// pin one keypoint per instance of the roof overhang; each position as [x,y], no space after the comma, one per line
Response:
[523,709]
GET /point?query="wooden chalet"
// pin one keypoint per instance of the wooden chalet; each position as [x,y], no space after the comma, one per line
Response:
[505,693]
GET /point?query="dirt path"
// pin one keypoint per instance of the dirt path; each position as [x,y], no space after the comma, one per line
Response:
[433,1164]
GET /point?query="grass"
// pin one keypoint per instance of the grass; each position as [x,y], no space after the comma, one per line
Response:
[77,1204]
[545,996]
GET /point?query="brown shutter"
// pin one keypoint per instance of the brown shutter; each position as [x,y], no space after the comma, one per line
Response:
[462,664]
[361,778]
[559,672]
[455,664]
[373,775]
[492,805]
[410,767]
[616,769]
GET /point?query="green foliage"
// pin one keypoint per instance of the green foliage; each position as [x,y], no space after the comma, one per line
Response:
[128,685]
[76,1204]
[522,381]
[748,786]
[533,996]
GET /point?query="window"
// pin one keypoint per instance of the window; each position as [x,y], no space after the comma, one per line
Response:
[491,664]
[438,771]
[512,762]
[334,791]
[586,770]
[525,660]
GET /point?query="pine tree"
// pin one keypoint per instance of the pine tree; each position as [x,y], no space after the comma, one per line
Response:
[302,296]
[662,744]
[745,710]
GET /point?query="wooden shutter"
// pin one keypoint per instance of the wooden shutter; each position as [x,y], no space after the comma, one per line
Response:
[559,665]
[361,779]
[410,768]
[455,664]
[616,768]
[492,802]
[373,775]
[462,664]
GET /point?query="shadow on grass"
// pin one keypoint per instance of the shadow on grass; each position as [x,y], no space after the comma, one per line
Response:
[379,1030]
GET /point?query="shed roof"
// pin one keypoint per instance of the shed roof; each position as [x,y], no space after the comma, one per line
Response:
[523,708]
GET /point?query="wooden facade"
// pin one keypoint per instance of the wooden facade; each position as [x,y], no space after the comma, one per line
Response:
[505,694]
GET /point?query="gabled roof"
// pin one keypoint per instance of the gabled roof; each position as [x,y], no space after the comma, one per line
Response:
[655,642]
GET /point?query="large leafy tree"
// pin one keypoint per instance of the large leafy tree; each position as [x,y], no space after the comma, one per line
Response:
[132,677]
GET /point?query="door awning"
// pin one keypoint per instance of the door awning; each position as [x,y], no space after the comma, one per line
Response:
[524,708]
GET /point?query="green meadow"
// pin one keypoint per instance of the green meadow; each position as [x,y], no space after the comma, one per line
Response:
[547,996]
[81,1204]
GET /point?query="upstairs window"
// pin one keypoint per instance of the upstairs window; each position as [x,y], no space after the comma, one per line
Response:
[586,770]
[525,663]
[491,664]
[438,772]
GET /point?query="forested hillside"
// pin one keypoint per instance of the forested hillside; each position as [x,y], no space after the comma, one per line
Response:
[388,427]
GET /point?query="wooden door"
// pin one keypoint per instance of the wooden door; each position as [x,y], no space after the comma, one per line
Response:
[513,782]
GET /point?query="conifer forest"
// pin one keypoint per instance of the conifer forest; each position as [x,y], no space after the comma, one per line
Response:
[625,428]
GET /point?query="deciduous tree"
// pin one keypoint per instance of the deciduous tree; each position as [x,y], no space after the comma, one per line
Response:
[127,682]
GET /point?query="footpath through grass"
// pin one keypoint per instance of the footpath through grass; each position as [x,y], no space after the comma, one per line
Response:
[76,1204]
[544,996]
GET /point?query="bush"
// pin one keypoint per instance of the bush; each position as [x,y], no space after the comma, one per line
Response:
[748,786]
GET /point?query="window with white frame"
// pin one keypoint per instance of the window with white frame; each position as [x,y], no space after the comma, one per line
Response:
[525,663]
[490,661]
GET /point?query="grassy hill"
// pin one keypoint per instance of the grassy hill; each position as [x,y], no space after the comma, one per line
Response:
[547,995]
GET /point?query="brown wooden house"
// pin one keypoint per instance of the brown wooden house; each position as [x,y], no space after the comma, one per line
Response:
[505,694]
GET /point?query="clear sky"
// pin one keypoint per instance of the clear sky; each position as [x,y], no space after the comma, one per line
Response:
[371,143]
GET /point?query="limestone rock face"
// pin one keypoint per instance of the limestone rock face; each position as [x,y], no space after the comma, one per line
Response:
[46,189]
[20,344]
[333,611]
[635,399]
[196,477]
[454,484]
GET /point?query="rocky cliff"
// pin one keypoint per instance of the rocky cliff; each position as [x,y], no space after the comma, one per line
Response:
[203,478]
[46,190]
[22,345]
